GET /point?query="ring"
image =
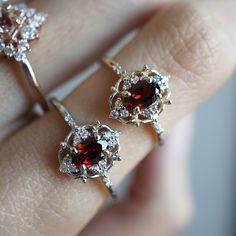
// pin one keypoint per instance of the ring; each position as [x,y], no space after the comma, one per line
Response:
[88,151]
[19,25]
[139,97]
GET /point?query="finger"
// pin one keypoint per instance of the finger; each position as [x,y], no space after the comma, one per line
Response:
[176,35]
[75,34]
[160,202]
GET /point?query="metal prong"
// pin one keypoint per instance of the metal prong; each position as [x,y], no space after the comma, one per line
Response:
[145,67]
[98,122]
[63,145]
[73,150]
[137,110]
[84,179]
[125,94]
[113,89]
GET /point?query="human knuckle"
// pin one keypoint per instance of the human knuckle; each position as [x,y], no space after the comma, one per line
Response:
[190,42]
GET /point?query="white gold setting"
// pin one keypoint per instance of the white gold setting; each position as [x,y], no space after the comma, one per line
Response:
[107,138]
[121,91]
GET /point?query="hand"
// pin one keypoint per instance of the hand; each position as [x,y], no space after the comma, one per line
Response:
[193,43]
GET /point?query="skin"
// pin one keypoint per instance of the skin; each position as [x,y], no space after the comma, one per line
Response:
[191,42]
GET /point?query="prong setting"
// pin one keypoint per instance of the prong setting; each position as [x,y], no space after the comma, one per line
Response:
[152,106]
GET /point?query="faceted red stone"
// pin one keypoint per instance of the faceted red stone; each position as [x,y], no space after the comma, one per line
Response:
[143,94]
[89,152]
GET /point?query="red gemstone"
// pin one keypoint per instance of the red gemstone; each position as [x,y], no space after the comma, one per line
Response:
[143,94]
[89,152]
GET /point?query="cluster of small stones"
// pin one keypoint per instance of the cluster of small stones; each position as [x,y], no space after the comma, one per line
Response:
[119,110]
[161,81]
[112,138]
[150,112]
[81,134]
[17,47]
[66,166]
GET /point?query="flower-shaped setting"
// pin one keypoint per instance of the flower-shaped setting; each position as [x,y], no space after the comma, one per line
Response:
[139,97]
[18,25]
[89,151]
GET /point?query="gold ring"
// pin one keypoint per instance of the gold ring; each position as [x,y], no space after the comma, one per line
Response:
[139,97]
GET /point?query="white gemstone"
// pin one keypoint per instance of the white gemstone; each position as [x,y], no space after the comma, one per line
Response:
[107,181]
[2,46]
[107,135]
[126,84]
[112,143]
[77,139]
[9,50]
[135,79]
[67,166]
[38,19]
[157,127]
[29,32]
[118,104]
[20,56]
[23,45]
[95,169]
[20,6]
[84,134]
[116,134]
[102,164]
[156,78]
[29,12]
[114,114]
[124,113]
[146,113]
[117,68]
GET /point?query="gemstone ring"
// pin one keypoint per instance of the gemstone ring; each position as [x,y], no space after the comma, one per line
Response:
[139,97]
[88,151]
[19,25]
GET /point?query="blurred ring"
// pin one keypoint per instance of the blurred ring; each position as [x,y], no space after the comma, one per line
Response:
[19,25]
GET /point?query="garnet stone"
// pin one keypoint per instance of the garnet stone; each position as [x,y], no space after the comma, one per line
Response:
[143,94]
[89,152]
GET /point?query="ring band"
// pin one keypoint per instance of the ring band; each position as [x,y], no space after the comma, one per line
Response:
[88,151]
[139,97]
[19,25]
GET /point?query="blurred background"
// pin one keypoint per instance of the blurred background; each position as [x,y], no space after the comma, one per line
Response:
[213,158]
[213,164]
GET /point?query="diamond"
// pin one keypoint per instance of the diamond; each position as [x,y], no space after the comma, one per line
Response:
[135,79]
[126,84]
[124,113]
[112,143]
[20,56]
[2,46]
[67,166]
[23,46]
[84,134]
[114,114]
[29,32]
[9,50]
[107,135]
[119,104]
[107,180]
[38,19]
